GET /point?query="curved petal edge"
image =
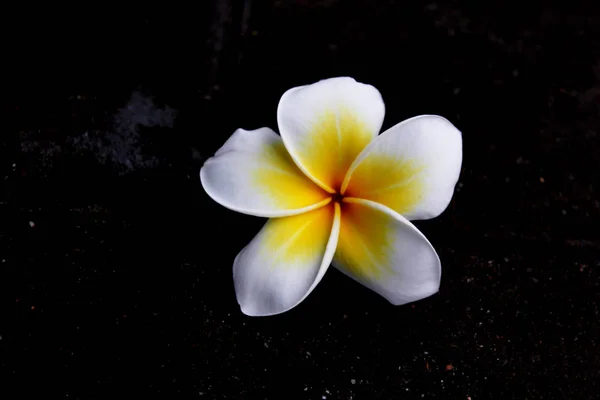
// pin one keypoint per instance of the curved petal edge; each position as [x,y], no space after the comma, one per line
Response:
[412,167]
[285,261]
[325,125]
[252,173]
[386,253]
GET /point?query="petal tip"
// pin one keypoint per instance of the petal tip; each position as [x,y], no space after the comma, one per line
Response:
[250,311]
[255,310]
[425,292]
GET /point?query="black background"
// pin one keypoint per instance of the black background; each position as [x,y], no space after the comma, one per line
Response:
[121,284]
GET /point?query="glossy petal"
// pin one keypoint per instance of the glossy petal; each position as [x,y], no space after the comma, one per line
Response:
[285,261]
[411,168]
[253,174]
[327,124]
[385,252]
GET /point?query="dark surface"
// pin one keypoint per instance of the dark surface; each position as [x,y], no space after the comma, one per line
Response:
[123,287]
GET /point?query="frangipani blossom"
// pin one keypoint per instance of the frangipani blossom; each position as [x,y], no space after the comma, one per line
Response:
[336,193]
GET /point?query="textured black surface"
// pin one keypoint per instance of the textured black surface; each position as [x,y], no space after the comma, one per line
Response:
[115,273]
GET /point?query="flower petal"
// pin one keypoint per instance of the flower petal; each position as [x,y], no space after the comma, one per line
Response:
[285,261]
[253,174]
[411,168]
[385,252]
[327,124]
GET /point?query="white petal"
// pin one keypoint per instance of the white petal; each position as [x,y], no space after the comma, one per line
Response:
[253,174]
[327,124]
[286,261]
[385,252]
[411,168]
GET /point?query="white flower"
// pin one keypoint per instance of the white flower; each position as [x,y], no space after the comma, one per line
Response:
[336,193]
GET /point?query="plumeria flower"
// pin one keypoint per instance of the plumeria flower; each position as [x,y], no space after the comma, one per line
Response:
[336,193]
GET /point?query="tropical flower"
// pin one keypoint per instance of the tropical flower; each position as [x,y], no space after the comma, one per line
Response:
[336,193]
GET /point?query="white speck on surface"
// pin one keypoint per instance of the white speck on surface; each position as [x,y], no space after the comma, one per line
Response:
[353,381]
[31,224]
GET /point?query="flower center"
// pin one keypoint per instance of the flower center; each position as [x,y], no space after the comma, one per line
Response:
[337,197]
